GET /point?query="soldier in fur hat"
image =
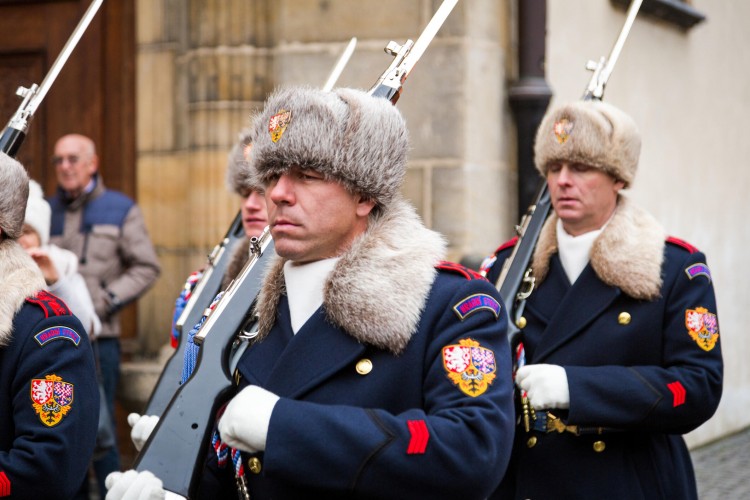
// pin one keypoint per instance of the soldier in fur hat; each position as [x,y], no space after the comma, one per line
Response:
[49,399]
[621,342]
[379,370]
[254,218]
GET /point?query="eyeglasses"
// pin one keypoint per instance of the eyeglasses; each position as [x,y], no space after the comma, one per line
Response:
[72,159]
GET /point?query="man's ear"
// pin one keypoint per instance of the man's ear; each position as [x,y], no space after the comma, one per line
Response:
[365,206]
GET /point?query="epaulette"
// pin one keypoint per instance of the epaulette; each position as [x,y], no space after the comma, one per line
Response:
[508,244]
[453,267]
[682,243]
[52,305]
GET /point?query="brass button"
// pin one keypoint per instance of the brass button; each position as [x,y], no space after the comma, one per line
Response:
[623,318]
[364,366]
[237,376]
[254,465]
[521,322]
[599,446]
[531,442]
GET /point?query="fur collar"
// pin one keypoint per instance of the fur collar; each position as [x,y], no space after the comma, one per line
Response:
[379,287]
[20,278]
[627,254]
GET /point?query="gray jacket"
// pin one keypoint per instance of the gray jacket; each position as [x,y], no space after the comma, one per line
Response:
[106,230]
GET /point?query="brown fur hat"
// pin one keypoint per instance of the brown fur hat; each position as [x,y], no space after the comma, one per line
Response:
[237,164]
[593,133]
[346,134]
[14,183]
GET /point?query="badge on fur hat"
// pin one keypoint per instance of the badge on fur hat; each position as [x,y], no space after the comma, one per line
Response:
[562,130]
[703,327]
[470,366]
[52,398]
[278,123]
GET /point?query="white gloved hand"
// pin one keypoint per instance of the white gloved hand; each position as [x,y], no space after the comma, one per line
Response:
[546,386]
[142,427]
[245,422]
[134,485]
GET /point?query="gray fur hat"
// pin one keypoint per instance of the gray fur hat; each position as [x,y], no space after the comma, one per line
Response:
[590,132]
[347,135]
[238,163]
[14,193]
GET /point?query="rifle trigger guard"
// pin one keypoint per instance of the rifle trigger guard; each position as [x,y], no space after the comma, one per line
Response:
[528,284]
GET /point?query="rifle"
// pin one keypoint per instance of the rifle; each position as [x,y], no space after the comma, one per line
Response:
[516,282]
[209,285]
[176,448]
[15,131]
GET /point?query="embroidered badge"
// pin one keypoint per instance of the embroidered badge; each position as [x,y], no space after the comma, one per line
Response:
[703,327]
[698,270]
[474,303]
[678,393]
[563,129]
[278,123]
[52,398]
[57,333]
[470,366]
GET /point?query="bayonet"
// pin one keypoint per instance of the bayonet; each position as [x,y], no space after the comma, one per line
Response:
[15,132]
[391,82]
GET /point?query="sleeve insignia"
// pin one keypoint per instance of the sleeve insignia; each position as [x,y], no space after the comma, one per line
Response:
[698,270]
[470,366]
[4,485]
[678,393]
[52,398]
[703,327]
[57,333]
[476,302]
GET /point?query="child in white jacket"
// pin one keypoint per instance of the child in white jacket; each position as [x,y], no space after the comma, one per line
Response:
[59,266]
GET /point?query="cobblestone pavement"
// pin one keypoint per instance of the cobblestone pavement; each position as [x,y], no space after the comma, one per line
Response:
[721,468]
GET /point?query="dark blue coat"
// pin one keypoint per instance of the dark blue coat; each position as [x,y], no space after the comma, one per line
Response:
[403,429]
[49,402]
[644,378]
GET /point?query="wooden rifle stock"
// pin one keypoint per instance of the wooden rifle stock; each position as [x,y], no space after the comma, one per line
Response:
[204,292]
[177,447]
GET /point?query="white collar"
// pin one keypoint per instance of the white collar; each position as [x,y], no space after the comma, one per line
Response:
[574,251]
[304,288]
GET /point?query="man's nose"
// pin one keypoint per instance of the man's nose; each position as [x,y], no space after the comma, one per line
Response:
[282,191]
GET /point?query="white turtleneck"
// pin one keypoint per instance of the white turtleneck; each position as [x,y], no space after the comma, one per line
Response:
[574,251]
[304,288]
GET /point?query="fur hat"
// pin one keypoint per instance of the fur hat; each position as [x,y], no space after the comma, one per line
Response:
[590,132]
[346,135]
[14,192]
[38,212]
[238,163]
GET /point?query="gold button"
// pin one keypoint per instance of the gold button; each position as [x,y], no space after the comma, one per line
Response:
[364,366]
[521,322]
[531,442]
[254,465]
[599,446]
[623,318]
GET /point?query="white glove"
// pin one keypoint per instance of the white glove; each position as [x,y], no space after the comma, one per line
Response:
[142,427]
[134,485]
[546,386]
[245,422]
